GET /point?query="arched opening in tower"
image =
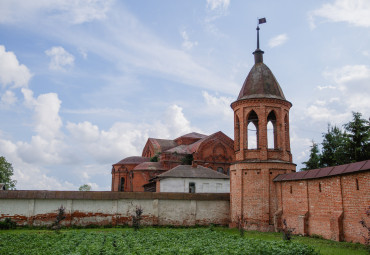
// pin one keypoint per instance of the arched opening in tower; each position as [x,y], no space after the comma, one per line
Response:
[252,131]
[271,131]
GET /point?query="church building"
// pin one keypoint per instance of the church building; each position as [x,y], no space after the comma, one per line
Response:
[137,173]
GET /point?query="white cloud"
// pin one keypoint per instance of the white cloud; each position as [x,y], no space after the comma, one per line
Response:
[355,12]
[278,40]
[73,12]
[219,105]
[326,87]
[350,92]
[11,72]
[349,73]
[218,4]
[126,139]
[187,44]
[60,58]
[8,98]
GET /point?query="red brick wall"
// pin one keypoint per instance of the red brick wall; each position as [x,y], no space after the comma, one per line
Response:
[334,212]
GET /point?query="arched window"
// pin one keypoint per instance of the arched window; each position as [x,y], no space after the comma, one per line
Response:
[237,133]
[271,131]
[286,127]
[122,184]
[252,131]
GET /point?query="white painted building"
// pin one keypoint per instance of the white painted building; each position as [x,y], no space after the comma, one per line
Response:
[189,179]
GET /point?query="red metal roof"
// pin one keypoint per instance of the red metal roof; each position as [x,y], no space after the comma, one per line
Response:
[325,172]
[132,160]
[151,166]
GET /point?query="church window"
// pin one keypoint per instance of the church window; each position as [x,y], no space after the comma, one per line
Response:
[252,131]
[191,187]
[320,186]
[357,185]
[220,170]
[271,131]
[122,184]
[228,171]
[291,189]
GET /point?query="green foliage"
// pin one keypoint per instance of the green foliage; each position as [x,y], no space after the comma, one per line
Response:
[187,160]
[85,187]
[359,138]
[342,147]
[334,147]
[6,172]
[155,158]
[147,241]
[314,160]
[7,224]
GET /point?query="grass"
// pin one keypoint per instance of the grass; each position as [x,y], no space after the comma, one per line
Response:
[323,246]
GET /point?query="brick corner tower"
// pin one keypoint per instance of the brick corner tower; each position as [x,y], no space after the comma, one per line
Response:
[262,147]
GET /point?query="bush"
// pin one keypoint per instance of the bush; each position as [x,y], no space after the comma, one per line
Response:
[7,224]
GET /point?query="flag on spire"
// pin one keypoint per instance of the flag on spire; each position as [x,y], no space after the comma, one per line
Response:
[261,21]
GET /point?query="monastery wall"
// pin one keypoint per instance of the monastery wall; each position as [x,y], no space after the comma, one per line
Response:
[39,208]
[331,207]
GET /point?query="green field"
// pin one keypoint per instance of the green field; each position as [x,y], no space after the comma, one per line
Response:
[213,240]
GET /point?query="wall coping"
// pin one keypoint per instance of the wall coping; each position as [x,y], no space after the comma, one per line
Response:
[110,195]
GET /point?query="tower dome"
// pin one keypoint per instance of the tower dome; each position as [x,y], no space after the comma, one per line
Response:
[261,83]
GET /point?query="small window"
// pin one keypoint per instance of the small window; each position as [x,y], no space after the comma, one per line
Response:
[220,170]
[228,171]
[291,189]
[191,187]
[357,186]
[320,186]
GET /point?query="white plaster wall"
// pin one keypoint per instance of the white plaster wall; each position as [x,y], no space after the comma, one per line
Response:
[201,185]
[103,212]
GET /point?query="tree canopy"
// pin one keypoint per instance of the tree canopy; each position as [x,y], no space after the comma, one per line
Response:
[6,173]
[342,146]
[85,187]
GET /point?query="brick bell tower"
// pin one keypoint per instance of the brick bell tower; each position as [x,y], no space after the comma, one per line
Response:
[262,147]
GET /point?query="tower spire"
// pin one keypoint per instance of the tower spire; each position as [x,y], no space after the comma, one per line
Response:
[258,53]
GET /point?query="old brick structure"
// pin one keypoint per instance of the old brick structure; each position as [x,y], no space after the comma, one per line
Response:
[265,189]
[214,151]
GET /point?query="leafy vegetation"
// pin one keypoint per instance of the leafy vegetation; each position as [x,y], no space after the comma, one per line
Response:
[7,223]
[187,159]
[342,146]
[6,173]
[147,241]
[85,187]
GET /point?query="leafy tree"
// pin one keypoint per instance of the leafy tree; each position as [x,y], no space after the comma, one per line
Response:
[334,147]
[6,172]
[85,187]
[359,138]
[314,160]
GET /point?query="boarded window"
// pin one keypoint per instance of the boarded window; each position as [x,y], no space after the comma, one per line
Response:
[205,187]
[218,187]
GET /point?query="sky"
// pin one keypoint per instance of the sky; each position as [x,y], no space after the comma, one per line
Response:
[83,84]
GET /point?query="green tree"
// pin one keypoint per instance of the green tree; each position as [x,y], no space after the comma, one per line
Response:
[6,172]
[334,147]
[359,138]
[85,187]
[314,160]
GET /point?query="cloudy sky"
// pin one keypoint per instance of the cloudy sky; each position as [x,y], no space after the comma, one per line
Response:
[83,84]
